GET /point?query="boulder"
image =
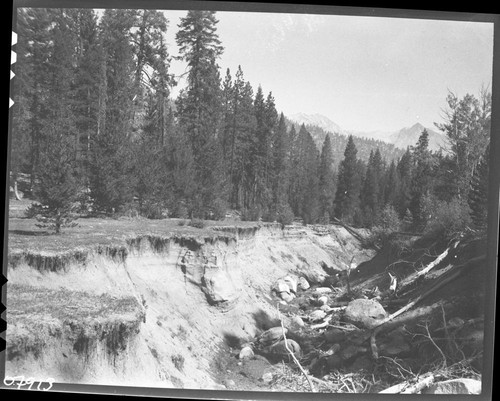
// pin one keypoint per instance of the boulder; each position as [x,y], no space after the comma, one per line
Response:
[270,336]
[280,351]
[323,300]
[323,290]
[267,377]
[364,313]
[230,384]
[292,282]
[246,353]
[296,322]
[303,283]
[281,286]
[219,287]
[317,315]
[455,386]
[287,296]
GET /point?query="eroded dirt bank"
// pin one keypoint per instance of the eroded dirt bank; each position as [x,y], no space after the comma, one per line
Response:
[156,310]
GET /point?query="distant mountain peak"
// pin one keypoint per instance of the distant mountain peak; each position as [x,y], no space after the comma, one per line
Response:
[408,136]
[316,119]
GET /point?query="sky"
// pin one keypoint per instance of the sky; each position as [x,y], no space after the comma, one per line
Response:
[364,73]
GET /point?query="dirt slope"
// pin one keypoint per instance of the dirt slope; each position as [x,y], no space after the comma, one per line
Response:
[154,310]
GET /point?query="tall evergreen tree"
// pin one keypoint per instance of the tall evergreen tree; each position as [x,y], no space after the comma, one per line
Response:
[199,108]
[467,127]
[280,166]
[421,178]
[372,191]
[241,134]
[348,184]
[392,185]
[326,184]
[86,88]
[478,195]
[404,170]
[34,78]
[266,118]
[57,186]
[110,178]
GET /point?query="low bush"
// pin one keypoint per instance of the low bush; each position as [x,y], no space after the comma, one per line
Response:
[197,223]
[448,219]
[285,214]
[178,361]
[253,214]
[388,223]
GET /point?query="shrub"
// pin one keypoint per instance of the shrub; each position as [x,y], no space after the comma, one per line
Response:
[253,214]
[388,222]
[448,218]
[33,210]
[152,211]
[180,211]
[197,223]
[285,214]
[219,209]
[178,361]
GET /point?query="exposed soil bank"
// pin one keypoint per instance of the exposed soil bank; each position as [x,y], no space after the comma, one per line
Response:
[155,309]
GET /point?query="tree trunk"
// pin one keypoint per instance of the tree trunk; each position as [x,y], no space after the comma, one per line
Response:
[16,192]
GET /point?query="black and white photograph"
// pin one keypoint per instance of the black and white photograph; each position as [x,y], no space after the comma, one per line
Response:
[248,199]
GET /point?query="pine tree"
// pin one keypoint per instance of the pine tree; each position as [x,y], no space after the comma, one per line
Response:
[240,137]
[57,186]
[467,127]
[404,170]
[421,178]
[392,185]
[349,184]
[199,108]
[280,165]
[478,195]
[110,176]
[306,196]
[20,139]
[266,119]
[34,77]
[87,73]
[372,191]
[326,184]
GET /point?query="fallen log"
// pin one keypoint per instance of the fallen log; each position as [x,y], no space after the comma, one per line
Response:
[407,387]
[422,272]
[448,277]
[322,325]
[351,230]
